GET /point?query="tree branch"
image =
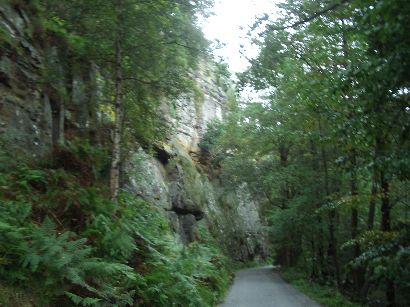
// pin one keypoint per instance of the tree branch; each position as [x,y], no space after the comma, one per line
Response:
[174,42]
[313,16]
[152,82]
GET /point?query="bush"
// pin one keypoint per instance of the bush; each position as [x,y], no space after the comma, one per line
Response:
[324,295]
[64,238]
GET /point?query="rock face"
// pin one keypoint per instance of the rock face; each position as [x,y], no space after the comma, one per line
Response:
[193,113]
[40,97]
[235,219]
[34,111]
[25,113]
[175,181]
[189,198]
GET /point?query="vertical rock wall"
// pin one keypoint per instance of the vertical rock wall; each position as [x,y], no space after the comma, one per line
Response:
[176,182]
[42,94]
[189,198]
[194,112]
[25,112]
[31,110]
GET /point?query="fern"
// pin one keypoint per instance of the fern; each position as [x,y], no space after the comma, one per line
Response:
[78,248]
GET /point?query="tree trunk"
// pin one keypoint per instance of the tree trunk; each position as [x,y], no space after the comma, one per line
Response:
[385,218]
[372,203]
[385,226]
[354,192]
[320,250]
[283,153]
[384,185]
[358,272]
[116,146]
[370,225]
[332,247]
[322,272]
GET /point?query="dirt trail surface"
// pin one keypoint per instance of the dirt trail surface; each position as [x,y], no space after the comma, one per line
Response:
[262,287]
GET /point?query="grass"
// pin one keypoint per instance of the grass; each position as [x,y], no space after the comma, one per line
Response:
[324,295]
[12,296]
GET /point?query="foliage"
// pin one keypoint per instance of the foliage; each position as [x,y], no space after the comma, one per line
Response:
[12,296]
[63,235]
[59,230]
[324,295]
[223,76]
[213,131]
[325,147]
[387,255]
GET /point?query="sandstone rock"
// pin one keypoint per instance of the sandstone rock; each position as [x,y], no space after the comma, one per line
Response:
[146,178]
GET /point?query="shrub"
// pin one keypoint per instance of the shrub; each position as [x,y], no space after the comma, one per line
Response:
[63,237]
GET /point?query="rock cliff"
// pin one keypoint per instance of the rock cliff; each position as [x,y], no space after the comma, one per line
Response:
[33,113]
[25,112]
[175,180]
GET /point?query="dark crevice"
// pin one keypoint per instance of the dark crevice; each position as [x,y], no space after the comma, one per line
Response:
[4,79]
[199,215]
[162,155]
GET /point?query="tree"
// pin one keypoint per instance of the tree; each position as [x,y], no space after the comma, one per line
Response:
[145,51]
[325,145]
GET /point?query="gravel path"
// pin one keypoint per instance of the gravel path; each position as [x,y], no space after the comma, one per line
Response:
[262,287]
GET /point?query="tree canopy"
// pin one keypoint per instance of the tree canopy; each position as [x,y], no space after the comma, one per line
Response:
[327,148]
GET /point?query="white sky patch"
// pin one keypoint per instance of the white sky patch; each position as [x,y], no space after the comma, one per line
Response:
[230,24]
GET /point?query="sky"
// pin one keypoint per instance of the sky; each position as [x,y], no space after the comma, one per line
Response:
[225,26]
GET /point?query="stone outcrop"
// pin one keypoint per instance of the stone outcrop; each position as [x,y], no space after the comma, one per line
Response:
[25,113]
[42,97]
[174,179]
[235,216]
[184,191]
[194,112]
[33,111]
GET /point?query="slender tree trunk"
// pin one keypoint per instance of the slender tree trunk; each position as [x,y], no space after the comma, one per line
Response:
[320,250]
[332,247]
[116,146]
[354,192]
[358,272]
[313,272]
[385,213]
[384,185]
[370,225]
[358,275]
[372,202]
[385,226]
[283,154]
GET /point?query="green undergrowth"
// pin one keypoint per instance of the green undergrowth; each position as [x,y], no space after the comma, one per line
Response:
[64,243]
[13,296]
[324,295]
[240,265]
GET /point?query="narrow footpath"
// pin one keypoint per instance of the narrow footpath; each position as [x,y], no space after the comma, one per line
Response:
[262,287]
